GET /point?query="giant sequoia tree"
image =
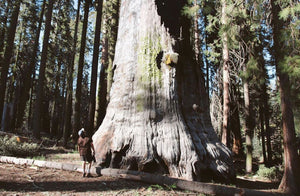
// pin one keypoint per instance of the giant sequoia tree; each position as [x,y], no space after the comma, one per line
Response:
[158,119]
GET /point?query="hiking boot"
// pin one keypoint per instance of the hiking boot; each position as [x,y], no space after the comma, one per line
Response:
[83,175]
[89,175]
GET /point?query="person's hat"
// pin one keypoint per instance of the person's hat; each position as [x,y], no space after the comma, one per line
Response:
[80,131]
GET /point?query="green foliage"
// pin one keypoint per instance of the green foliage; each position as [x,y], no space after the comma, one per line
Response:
[257,148]
[147,67]
[190,9]
[171,187]
[297,123]
[252,69]
[212,23]
[290,61]
[291,66]
[273,173]
[290,11]
[41,158]
[11,147]
[155,187]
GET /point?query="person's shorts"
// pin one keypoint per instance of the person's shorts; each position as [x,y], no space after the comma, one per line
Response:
[86,158]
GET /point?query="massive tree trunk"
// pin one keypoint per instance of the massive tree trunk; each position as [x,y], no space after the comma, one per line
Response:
[158,119]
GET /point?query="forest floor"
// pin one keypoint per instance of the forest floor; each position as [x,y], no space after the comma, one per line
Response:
[32,180]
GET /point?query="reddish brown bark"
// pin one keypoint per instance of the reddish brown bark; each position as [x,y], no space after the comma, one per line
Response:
[291,179]
[236,130]
[226,79]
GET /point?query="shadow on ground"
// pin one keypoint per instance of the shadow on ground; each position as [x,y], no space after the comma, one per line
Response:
[244,183]
[74,186]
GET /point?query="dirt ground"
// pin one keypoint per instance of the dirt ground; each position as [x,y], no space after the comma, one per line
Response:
[31,180]
[27,180]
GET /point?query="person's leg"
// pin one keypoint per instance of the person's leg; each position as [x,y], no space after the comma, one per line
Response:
[89,169]
[83,167]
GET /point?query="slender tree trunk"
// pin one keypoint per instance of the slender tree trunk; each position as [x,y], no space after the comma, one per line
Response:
[267,121]
[77,116]
[235,124]
[92,102]
[248,128]
[291,179]
[207,75]
[38,107]
[102,87]
[264,107]
[237,148]
[55,120]
[156,120]
[115,8]
[226,78]
[28,72]
[8,52]
[3,30]
[101,97]
[15,81]
[69,96]
[262,130]
[265,114]
[205,17]
[266,117]
[196,34]
[30,115]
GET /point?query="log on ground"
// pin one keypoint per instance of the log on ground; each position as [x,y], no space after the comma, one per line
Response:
[206,188]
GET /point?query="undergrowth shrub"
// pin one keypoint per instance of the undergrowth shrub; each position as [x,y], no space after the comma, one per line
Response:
[11,147]
[273,173]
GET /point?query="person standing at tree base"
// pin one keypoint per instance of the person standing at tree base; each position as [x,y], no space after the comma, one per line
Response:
[85,147]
